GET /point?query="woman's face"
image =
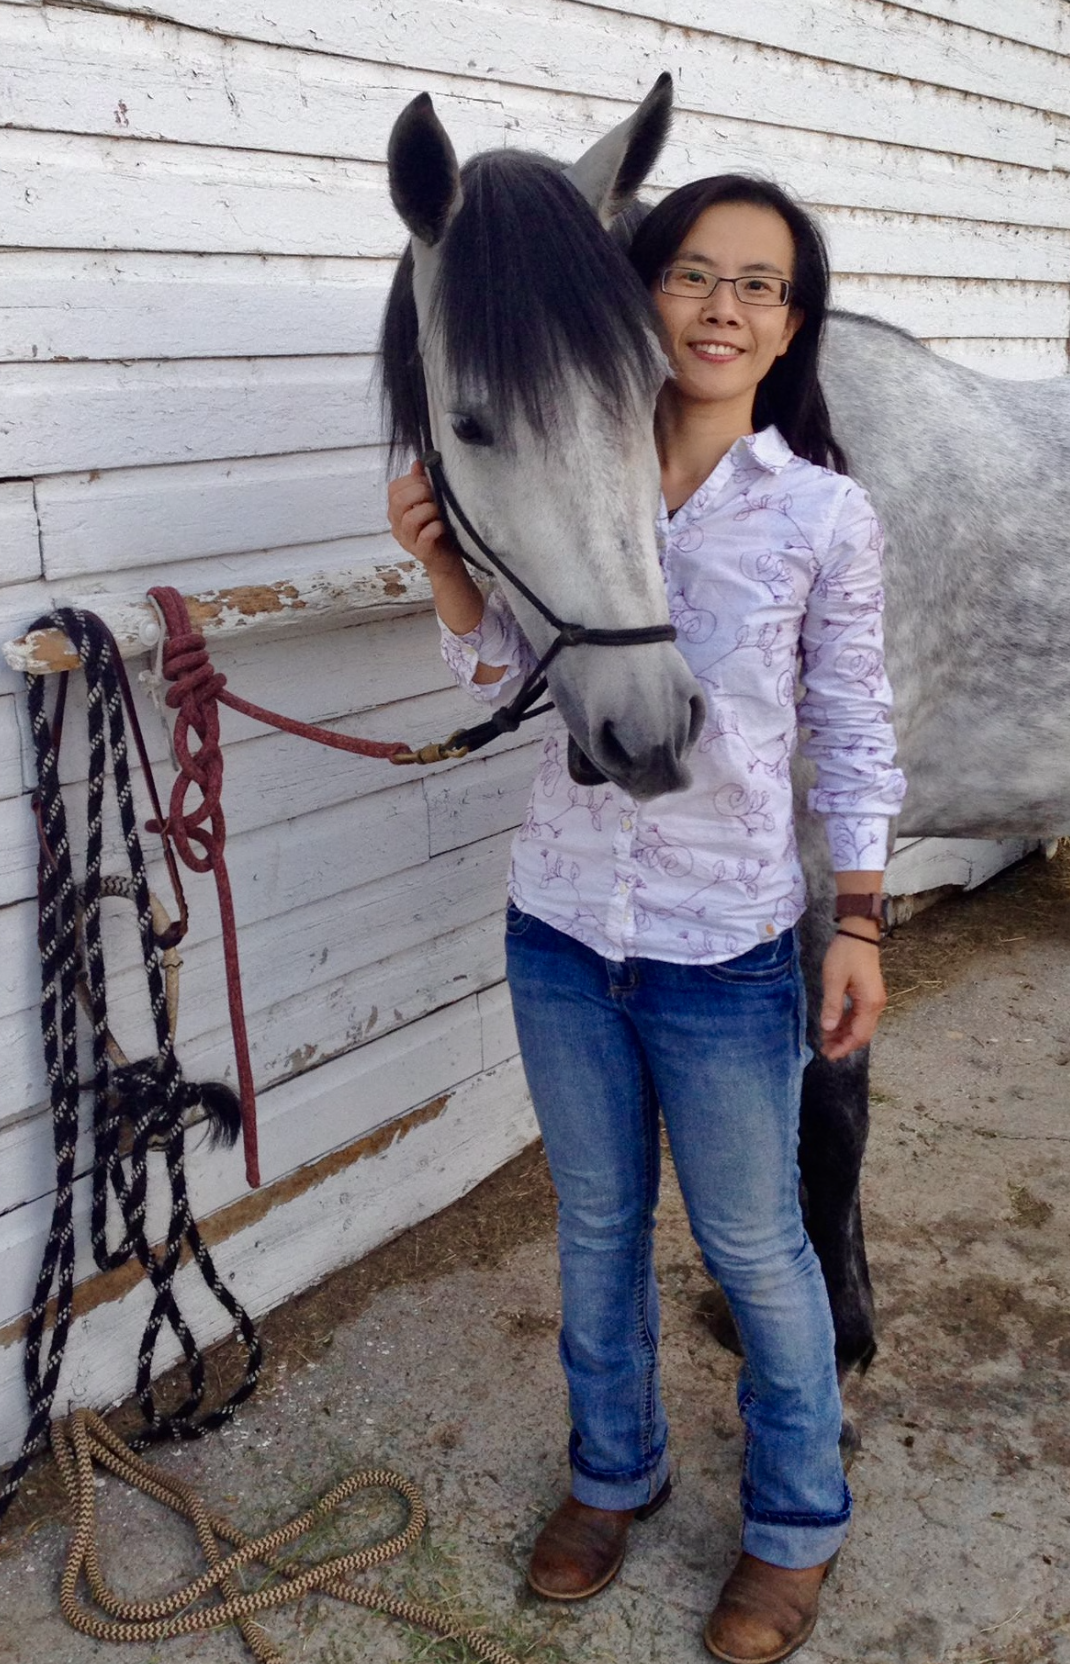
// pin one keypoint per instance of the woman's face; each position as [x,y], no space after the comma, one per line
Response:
[721,346]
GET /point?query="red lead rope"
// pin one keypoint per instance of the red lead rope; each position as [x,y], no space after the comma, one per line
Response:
[197,693]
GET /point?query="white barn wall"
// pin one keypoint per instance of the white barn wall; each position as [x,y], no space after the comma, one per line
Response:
[197,239]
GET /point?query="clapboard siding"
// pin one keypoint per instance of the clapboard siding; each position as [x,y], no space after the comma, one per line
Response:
[20,550]
[402,1176]
[552,43]
[198,242]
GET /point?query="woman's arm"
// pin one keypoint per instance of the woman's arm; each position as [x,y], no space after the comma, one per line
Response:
[847,709]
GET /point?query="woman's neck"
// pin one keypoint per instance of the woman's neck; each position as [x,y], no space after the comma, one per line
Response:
[692,438]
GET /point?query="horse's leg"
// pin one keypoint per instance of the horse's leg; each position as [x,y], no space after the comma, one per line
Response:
[833,1126]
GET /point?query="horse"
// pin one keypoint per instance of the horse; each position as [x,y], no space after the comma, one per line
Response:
[545,422]
[520,343]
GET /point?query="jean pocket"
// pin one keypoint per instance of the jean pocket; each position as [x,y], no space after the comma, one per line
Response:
[516,922]
[768,962]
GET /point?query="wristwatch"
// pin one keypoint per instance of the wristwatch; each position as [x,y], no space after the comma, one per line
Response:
[864,904]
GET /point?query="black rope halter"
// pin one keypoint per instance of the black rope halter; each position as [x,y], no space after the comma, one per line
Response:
[507,718]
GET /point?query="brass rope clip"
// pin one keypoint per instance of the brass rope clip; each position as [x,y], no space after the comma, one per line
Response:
[436,752]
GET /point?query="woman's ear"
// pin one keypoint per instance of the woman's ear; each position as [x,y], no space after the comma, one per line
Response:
[792,325]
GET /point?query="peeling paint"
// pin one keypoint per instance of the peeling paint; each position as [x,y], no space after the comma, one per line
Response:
[110,1286]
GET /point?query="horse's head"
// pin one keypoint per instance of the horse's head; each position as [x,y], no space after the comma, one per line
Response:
[520,320]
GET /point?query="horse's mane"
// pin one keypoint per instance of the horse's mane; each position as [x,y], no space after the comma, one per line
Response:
[529,285]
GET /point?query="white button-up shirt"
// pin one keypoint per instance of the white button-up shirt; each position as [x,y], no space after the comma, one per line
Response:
[773,573]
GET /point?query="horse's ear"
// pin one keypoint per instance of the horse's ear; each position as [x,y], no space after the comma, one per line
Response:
[610,173]
[425,184]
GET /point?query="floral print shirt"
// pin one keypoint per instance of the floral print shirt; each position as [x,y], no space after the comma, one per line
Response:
[773,573]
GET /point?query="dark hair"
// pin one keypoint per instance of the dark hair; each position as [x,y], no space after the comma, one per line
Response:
[790,395]
[529,284]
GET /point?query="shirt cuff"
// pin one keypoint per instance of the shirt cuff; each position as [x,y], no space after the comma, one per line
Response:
[858,843]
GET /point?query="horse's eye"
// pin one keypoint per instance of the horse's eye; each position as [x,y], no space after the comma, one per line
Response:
[470,431]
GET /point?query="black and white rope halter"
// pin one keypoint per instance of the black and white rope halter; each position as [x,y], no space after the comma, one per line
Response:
[146,1101]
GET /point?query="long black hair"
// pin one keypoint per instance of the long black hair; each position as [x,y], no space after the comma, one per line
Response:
[790,394]
[529,285]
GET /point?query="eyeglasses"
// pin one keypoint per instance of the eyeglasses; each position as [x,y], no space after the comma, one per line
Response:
[699,285]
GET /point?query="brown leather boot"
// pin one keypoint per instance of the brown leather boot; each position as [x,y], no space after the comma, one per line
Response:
[765,1612]
[580,1549]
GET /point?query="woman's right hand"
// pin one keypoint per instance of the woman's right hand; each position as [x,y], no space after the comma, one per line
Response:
[416,522]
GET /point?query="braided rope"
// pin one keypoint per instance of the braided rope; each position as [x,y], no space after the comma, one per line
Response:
[86,1439]
[152,1094]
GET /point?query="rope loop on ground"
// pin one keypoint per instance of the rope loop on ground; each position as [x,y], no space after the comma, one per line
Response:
[86,1439]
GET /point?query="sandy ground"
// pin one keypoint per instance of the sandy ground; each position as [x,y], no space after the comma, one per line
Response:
[437,1356]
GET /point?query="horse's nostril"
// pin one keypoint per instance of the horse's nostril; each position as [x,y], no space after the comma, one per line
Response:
[613,753]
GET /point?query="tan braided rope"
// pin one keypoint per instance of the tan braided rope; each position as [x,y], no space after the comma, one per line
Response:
[86,1439]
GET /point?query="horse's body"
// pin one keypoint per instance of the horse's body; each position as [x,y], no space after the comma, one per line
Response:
[970,478]
[968,474]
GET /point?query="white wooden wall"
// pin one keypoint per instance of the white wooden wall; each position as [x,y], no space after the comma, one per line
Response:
[196,238]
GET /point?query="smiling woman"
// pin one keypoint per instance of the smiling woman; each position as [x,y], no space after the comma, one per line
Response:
[650,945]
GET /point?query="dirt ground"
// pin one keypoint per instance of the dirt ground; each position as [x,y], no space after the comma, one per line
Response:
[436,1354]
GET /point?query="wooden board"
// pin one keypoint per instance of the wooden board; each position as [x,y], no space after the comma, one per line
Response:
[60,418]
[137,517]
[20,553]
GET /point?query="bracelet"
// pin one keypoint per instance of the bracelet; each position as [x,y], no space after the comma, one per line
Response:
[874,941]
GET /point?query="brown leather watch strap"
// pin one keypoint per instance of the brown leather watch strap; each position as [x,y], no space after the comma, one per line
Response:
[865,904]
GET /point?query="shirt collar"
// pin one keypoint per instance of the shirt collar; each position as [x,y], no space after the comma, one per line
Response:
[766,452]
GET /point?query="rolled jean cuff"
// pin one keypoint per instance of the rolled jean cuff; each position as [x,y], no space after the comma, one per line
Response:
[795,1546]
[620,1493]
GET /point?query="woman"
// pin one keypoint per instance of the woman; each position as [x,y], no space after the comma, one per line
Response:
[650,947]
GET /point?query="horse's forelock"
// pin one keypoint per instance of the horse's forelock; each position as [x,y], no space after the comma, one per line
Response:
[530,288]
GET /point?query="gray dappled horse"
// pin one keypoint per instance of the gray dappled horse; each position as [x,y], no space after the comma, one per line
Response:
[541,376]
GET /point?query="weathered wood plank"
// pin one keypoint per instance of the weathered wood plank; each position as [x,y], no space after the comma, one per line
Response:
[57,303]
[140,517]
[318,601]
[908,245]
[285,863]
[63,418]
[20,550]
[83,71]
[20,604]
[858,34]
[274,1244]
[11,777]
[1014,360]
[544,45]
[499,1029]
[928,863]
[1042,23]
[487,795]
[299,1122]
[963,308]
[69,191]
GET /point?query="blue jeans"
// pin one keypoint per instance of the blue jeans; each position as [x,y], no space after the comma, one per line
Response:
[720,1049]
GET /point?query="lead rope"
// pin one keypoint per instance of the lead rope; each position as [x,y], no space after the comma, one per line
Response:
[154,1097]
[86,1439]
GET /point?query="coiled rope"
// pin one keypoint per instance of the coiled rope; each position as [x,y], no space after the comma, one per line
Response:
[86,1439]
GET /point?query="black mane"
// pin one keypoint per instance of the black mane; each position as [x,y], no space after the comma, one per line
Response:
[529,284]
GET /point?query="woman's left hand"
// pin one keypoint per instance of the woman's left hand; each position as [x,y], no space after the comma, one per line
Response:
[851,972]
